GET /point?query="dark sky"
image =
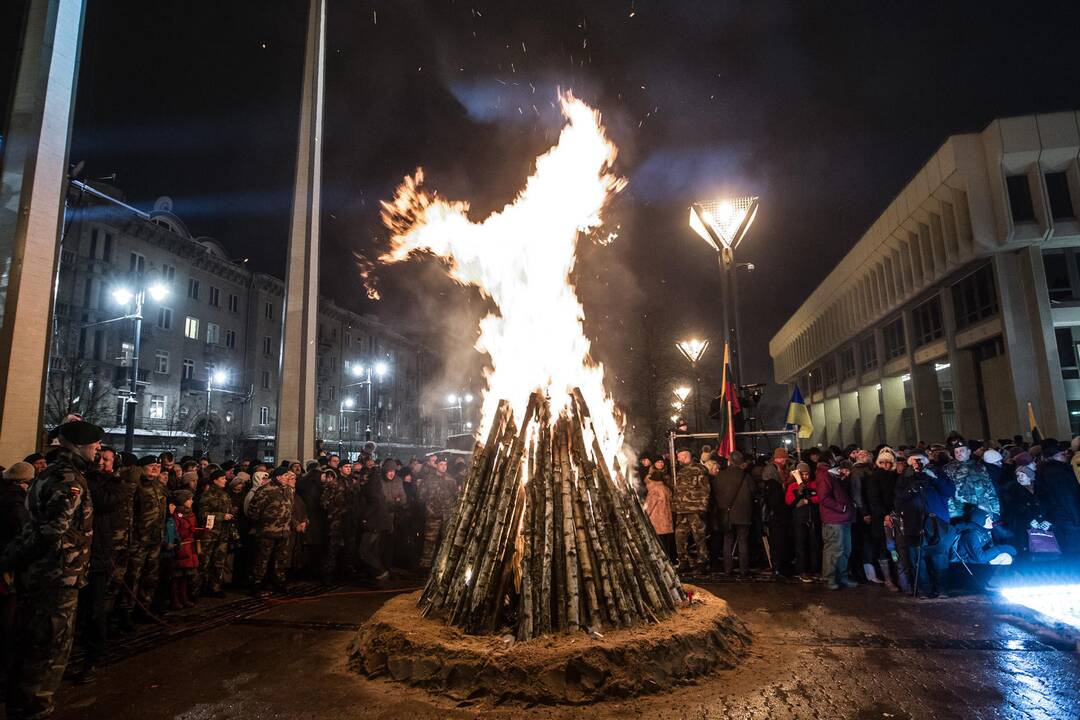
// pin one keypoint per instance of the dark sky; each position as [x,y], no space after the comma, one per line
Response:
[822,109]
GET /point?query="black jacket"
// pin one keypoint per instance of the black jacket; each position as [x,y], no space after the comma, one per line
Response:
[112,519]
[309,489]
[1059,492]
[13,513]
[732,488]
[879,490]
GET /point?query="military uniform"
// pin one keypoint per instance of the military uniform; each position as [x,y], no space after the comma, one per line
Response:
[271,511]
[333,502]
[214,542]
[438,492]
[52,556]
[147,533]
[691,501]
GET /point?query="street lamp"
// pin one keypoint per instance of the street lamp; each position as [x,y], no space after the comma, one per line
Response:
[219,378]
[380,370]
[133,298]
[346,406]
[682,392]
[457,401]
[723,224]
[693,349]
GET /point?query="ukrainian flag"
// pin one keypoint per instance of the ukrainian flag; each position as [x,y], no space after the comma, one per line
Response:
[798,414]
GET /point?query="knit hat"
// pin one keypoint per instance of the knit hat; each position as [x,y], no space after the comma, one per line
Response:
[189,477]
[260,477]
[179,497]
[215,474]
[20,472]
[279,471]
[992,457]
[803,469]
[241,476]
[780,454]
[149,460]
[1023,458]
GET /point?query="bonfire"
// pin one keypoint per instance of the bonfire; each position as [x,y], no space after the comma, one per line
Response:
[546,536]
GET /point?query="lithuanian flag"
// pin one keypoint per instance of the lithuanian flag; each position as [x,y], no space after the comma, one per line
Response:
[729,408]
[798,414]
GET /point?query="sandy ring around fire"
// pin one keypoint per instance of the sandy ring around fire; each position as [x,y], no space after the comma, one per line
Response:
[398,643]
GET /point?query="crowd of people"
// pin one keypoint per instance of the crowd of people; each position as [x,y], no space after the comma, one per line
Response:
[95,541]
[926,520]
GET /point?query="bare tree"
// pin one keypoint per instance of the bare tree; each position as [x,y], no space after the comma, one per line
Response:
[78,385]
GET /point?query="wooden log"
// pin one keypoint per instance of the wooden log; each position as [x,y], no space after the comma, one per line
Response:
[569,535]
[585,560]
[544,478]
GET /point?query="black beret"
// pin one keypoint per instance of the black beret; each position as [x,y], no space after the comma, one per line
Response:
[80,432]
[279,471]
[214,475]
[149,460]
[33,458]
[180,497]
[228,465]
[129,459]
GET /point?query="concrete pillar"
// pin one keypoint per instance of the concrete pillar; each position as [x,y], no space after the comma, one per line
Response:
[817,414]
[296,400]
[869,409]
[927,395]
[833,429]
[893,404]
[1030,346]
[34,183]
[849,418]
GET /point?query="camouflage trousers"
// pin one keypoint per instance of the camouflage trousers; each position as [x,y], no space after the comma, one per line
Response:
[335,541]
[271,549]
[432,526]
[144,565]
[215,551]
[45,627]
[685,525]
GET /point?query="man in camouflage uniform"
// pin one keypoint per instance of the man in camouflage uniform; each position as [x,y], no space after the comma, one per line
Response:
[51,557]
[333,502]
[972,481]
[438,492]
[215,514]
[271,512]
[147,534]
[690,504]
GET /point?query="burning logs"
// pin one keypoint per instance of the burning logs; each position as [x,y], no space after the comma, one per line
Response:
[543,539]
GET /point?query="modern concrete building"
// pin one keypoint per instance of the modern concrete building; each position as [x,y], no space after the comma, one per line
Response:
[218,316]
[959,305]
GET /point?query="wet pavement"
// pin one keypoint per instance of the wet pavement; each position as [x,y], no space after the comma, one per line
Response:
[859,653]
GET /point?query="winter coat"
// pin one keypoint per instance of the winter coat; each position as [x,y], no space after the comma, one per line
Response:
[186,554]
[375,515]
[1019,506]
[973,487]
[975,544]
[439,495]
[692,489]
[309,489]
[149,511]
[920,494]
[1056,487]
[112,519]
[215,502]
[799,497]
[858,480]
[394,492]
[658,505]
[731,488]
[272,511]
[879,492]
[833,501]
[13,515]
[774,482]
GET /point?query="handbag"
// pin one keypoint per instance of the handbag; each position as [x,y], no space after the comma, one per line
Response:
[723,515]
[1042,542]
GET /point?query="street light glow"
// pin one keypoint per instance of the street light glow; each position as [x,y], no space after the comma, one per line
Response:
[220,376]
[158,291]
[357,370]
[468,398]
[348,402]
[122,295]
[381,368]
[682,392]
[693,349]
[723,222]
[451,398]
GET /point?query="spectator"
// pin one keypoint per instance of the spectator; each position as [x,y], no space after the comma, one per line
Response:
[733,506]
[1059,493]
[691,503]
[776,520]
[837,514]
[801,496]
[658,508]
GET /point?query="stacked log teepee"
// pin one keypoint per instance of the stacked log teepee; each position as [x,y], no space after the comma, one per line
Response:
[562,549]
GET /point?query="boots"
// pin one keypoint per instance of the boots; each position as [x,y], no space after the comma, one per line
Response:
[902,579]
[871,574]
[176,603]
[886,574]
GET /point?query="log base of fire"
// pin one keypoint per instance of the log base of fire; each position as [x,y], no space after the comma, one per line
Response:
[690,643]
[550,584]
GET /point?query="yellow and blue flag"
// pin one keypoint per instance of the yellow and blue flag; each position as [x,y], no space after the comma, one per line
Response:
[798,415]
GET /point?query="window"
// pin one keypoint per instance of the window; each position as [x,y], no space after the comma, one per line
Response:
[168,273]
[348,339]
[1057,189]
[975,297]
[157,407]
[93,243]
[847,363]
[266,345]
[268,311]
[230,339]
[99,345]
[106,250]
[189,369]
[264,415]
[895,345]
[265,380]
[164,318]
[215,297]
[234,303]
[191,328]
[333,363]
[161,361]
[193,288]
[88,291]
[1057,276]
[828,372]
[137,263]
[330,392]
[127,352]
[213,334]
[927,321]
[1067,353]
[1023,210]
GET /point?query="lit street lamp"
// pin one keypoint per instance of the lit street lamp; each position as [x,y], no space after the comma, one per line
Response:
[134,298]
[219,378]
[346,406]
[723,224]
[457,401]
[693,350]
[380,369]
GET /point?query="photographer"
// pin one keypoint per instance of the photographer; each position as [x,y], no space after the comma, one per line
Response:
[801,497]
[922,500]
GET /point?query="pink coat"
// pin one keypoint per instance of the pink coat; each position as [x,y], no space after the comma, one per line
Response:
[658,506]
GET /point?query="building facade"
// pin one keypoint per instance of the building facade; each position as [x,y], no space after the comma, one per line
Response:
[210,354]
[961,303]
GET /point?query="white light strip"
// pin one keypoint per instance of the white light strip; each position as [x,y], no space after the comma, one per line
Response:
[1058,602]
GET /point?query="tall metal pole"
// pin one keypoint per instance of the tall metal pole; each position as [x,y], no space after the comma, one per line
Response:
[737,365]
[206,425]
[132,404]
[367,432]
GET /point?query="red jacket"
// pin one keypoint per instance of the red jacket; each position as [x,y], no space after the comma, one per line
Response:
[795,492]
[187,555]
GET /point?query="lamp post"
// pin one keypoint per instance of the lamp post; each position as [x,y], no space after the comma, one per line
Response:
[457,401]
[693,350]
[346,403]
[124,295]
[723,224]
[380,369]
[220,377]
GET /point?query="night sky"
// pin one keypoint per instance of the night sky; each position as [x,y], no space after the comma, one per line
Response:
[822,109]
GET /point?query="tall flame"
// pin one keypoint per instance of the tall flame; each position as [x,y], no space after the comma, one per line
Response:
[521,258]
